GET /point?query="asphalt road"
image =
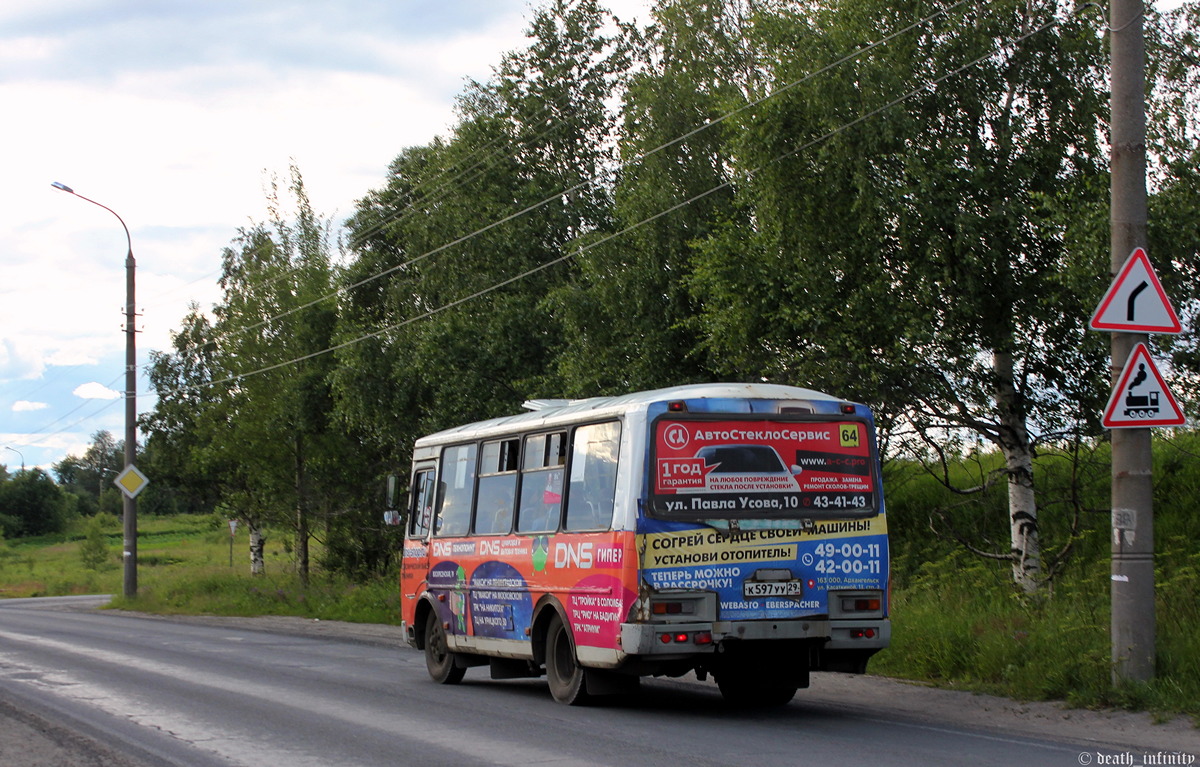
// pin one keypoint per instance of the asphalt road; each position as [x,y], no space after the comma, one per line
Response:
[81,687]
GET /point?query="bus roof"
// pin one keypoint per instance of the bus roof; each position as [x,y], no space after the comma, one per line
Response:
[550,412]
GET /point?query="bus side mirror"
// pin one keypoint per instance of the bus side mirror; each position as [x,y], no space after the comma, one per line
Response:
[392,482]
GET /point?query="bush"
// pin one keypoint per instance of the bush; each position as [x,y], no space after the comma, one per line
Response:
[93,552]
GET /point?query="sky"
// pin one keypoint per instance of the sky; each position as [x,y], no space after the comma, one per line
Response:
[174,115]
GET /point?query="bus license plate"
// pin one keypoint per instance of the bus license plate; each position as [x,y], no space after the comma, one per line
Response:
[752,589]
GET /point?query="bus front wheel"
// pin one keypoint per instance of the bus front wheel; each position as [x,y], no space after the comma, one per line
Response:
[563,672]
[438,658]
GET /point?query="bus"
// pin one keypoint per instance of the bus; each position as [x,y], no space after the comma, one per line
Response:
[731,530]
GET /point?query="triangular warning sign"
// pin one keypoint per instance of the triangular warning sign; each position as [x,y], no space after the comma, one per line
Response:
[1136,302]
[1141,397]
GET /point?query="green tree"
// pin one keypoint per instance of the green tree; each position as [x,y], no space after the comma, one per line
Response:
[470,232]
[245,402]
[274,325]
[627,313]
[1173,146]
[181,426]
[904,246]
[31,504]
[89,477]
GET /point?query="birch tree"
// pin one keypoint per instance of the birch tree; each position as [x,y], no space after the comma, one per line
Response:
[902,247]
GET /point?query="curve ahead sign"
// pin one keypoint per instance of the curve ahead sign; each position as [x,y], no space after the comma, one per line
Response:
[1136,302]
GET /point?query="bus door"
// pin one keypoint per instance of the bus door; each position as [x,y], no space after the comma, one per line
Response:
[414,567]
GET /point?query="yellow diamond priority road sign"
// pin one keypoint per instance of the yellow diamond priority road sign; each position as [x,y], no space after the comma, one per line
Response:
[131,481]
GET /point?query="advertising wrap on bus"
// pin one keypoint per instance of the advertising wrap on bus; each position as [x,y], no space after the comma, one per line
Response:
[836,555]
[736,530]
[490,584]
[762,468]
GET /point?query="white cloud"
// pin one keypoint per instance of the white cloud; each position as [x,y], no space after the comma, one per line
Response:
[25,406]
[93,390]
[169,113]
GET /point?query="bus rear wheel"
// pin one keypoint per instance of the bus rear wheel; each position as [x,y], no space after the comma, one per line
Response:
[438,658]
[567,679]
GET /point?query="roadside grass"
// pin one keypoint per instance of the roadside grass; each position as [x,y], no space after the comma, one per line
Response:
[184,568]
[218,591]
[959,623]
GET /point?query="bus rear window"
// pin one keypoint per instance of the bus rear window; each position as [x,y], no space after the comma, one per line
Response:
[804,467]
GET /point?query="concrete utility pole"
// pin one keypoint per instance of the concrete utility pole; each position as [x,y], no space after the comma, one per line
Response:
[1133,630]
[129,522]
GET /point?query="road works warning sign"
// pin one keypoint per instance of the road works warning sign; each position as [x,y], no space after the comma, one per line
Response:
[1141,398]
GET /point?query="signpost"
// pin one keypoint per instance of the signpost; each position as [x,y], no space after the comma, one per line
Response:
[1135,305]
[232,531]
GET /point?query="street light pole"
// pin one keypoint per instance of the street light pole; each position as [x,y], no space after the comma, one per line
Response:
[130,503]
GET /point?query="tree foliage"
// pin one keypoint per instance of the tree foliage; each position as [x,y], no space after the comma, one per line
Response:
[899,203]
[31,504]
[88,480]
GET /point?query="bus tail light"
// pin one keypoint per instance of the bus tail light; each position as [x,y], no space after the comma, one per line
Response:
[678,406]
[860,605]
[674,608]
[867,633]
[686,637]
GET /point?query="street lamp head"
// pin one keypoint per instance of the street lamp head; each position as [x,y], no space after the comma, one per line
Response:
[62,186]
[18,452]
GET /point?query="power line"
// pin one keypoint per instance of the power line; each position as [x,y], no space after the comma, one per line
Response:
[632,227]
[40,441]
[427,192]
[410,211]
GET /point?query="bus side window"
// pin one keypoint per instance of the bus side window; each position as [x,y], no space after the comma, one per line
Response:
[456,491]
[420,515]
[497,487]
[542,483]
[593,476]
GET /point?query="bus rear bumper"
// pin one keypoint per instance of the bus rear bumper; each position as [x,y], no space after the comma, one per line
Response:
[703,637]
[874,634]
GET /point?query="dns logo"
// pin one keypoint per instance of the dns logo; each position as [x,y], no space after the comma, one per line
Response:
[573,555]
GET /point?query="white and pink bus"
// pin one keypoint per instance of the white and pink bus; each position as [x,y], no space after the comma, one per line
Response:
[736,530]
